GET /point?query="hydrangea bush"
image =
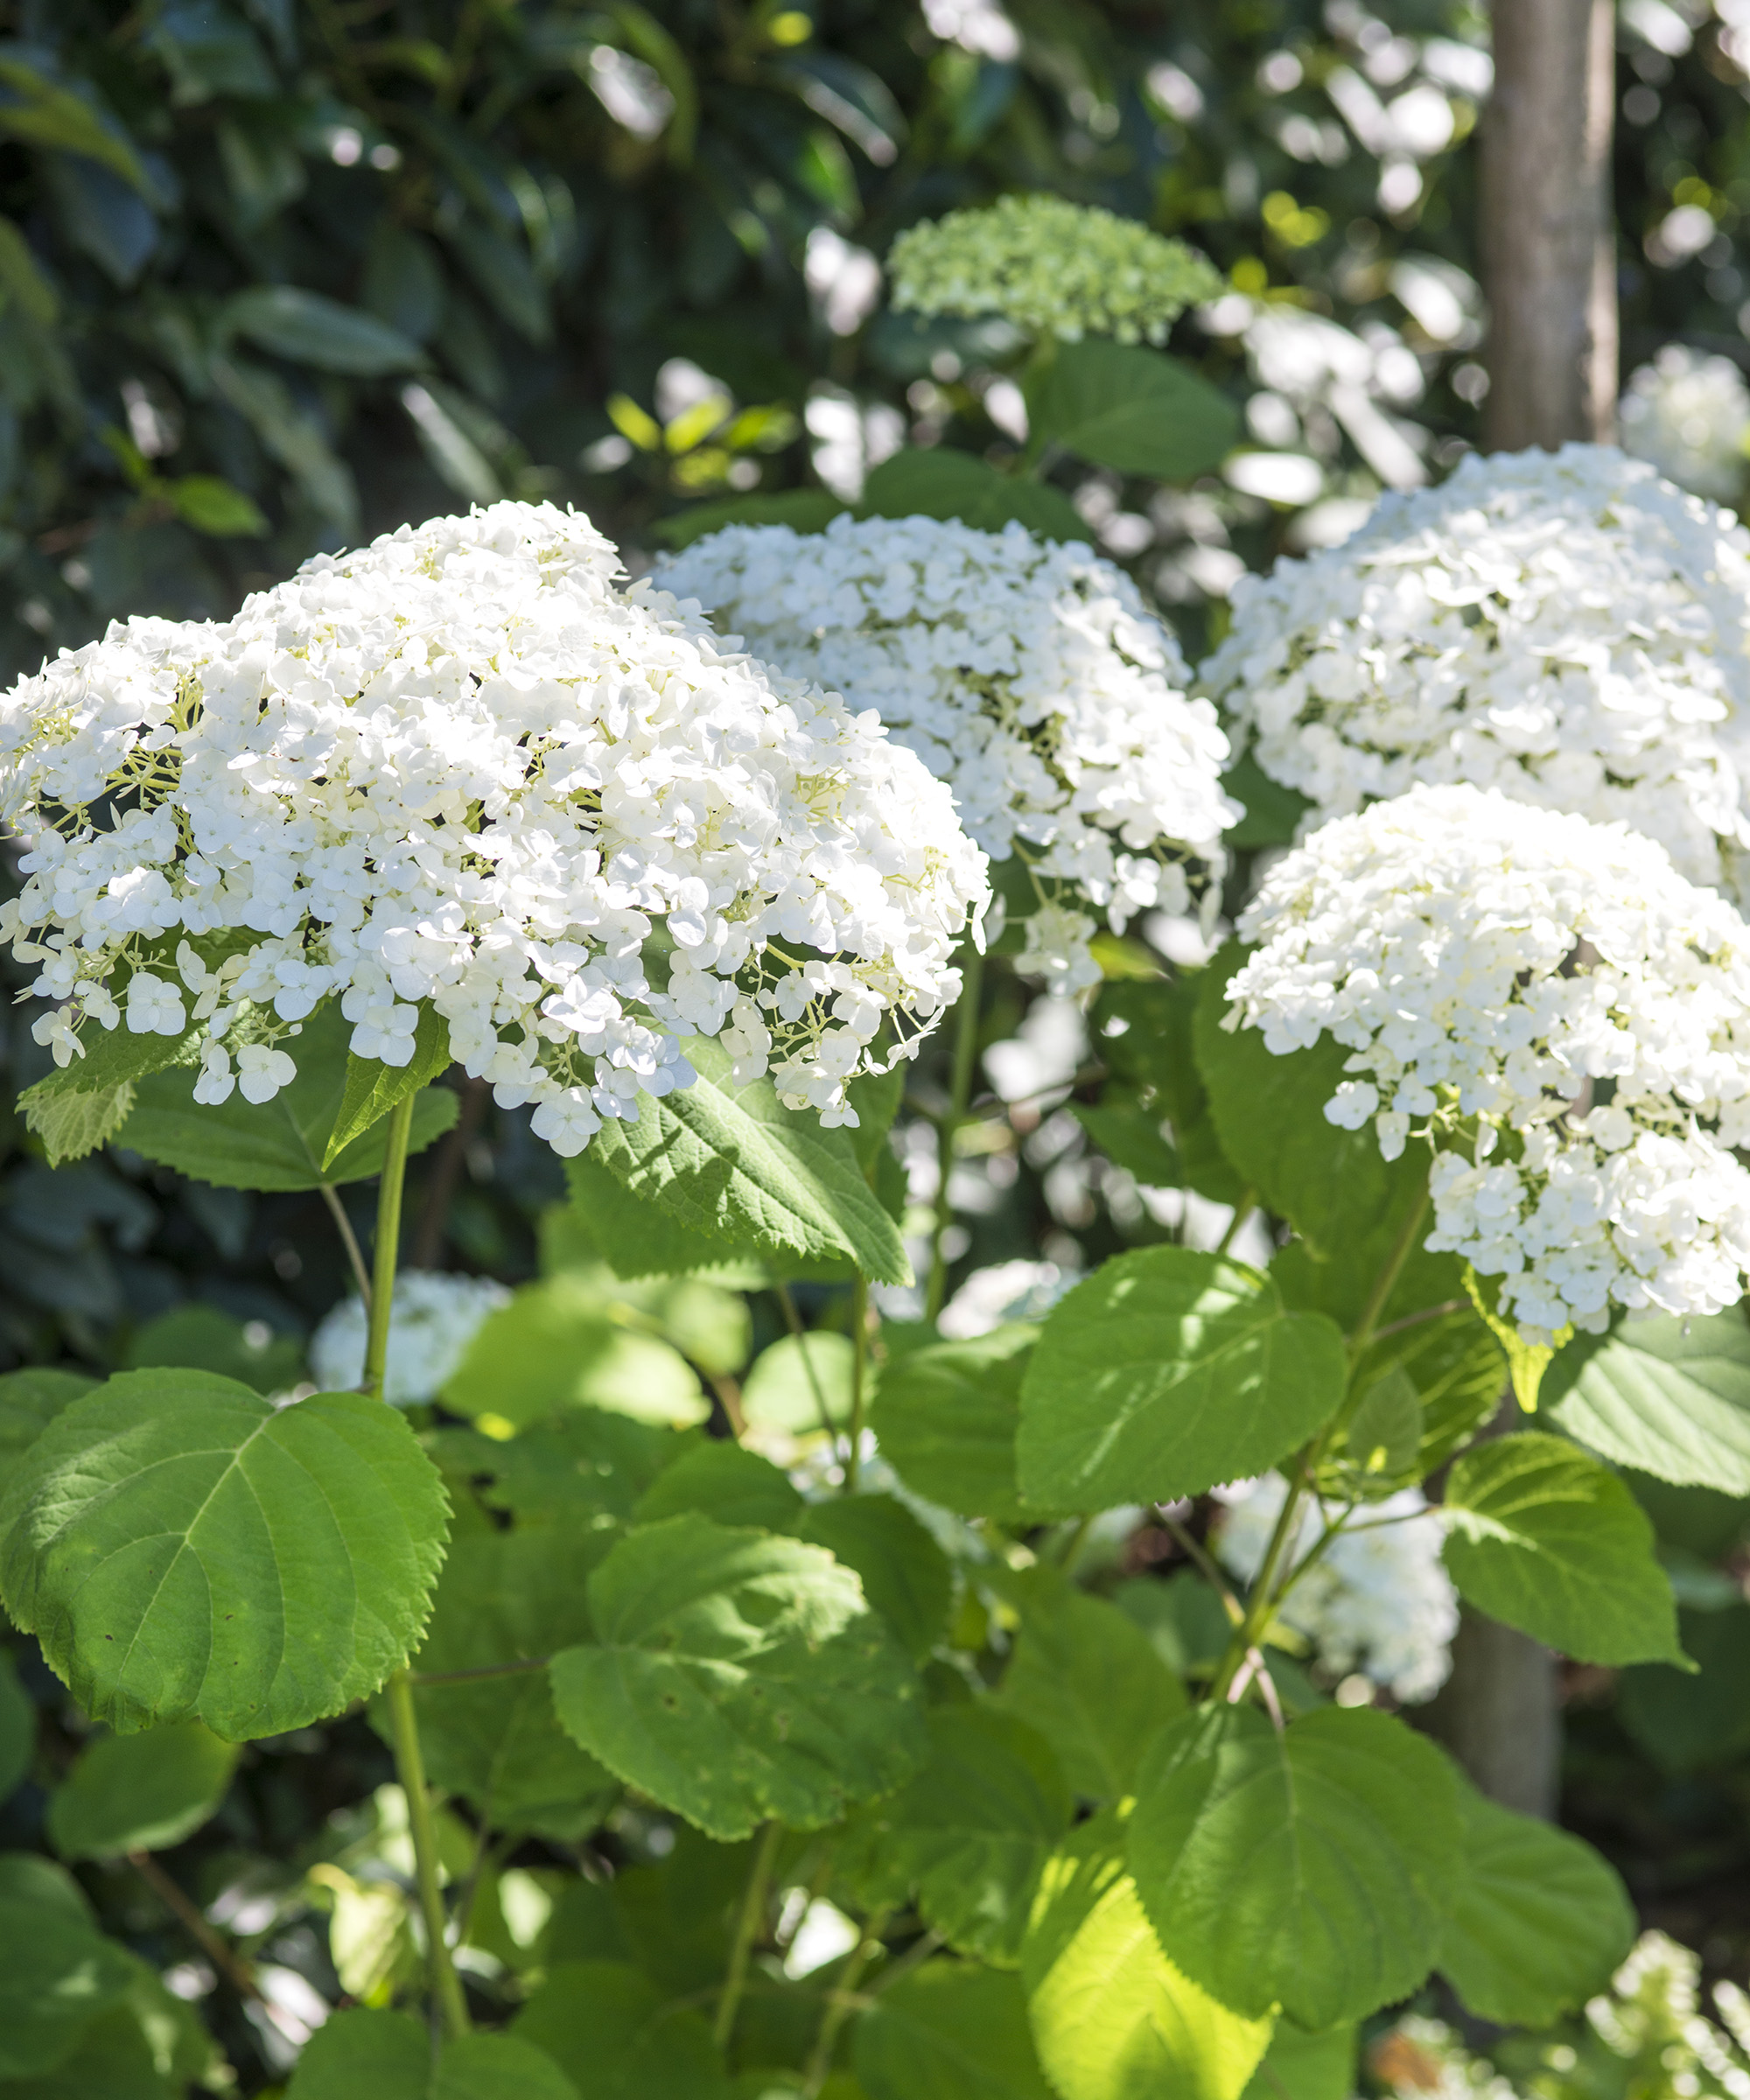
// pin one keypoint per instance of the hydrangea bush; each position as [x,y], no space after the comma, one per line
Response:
[1569,629]
[1027,675]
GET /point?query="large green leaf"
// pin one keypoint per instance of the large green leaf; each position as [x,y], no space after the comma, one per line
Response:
[948,2031]
[282,1144]
[311,329]
[940,482]
[971,1833]
[1112,2017]
[1670,1395]
[360,2054]
[140,1792]
[636,1236]
[734,1162]
[905,1574]
[1168,1371]
[735,1676]
[29,1402]
[801,509]
[802,1382]
[74,1124]
[1687,1720]
[57,1972]
[725,1483]
[1090,1680]
[1309,1869]
[585,1468]
[556,1346]
[1301,2066]
[1538,1920]
[946,1418]
[1543,1538]
[1132,409]
[610,2030]
[373,1088]
[183,1549]
[1349,1205]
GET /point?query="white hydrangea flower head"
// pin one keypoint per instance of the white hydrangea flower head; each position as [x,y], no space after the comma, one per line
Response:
[432,1320]
[1379,1601]
[1566,627]
[463,767]
[1689,415]
[1027,675]
[1052,269]
[1563,1016]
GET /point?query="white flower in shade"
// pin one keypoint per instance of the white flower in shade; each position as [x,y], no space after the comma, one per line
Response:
[1378,1601]
[1028,676]
[1052,268]
[1566,1017]
[431,1321]
[1567,628]
[462,768]
[1690,417]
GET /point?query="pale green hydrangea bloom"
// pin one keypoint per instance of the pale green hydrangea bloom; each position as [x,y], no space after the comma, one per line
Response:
[1052,268]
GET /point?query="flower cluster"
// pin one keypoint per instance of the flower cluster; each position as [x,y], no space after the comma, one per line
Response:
[1567,628]
[463,767]
[1052,268]
[1377,1602]
[1027,675]
[1565,1016]
[1690,415]
[432,1320]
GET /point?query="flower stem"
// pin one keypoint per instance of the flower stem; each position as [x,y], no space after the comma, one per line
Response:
[746,1931]
[840,2000]
[1386,1282]
[965,1058]
[409,1763]
[349,1239]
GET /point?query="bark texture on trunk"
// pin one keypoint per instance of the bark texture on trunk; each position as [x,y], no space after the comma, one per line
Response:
[1548,233]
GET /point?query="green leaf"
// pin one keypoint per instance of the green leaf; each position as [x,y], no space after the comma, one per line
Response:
[45,115]
[948,2031]
[1544,1538]
[310,329]
[732,1162]
[373,1088]
[1132,409]
[213,506]
[1112,2017]
[1668,1395]
[1299,2066]
[18,1725]
[21,279]
[905,1574]
[1132,1138]
[1348,1204]
[555,1347]
[57,1973]
[140,1792]
[282,1144]
[1309,1869]
[724,1482]
[359,2054]
[802,1382]
[1538,1921]
[1168,1371]
[609,2029]
[1381,1444]
[633,1234]
[1089,1679]
[972,1833]
[497,2066]
[585,1468]
[736,1676]
[505,1596]
[182,1548]
[29,1402]
[74,1124]
[801,509]
[1146,1034]
[1526,1361]
[1688,1720]
[200,1338]
[946,1416]
[1457,1372]
[943,483]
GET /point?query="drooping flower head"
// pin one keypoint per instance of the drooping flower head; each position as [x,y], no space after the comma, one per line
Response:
[432,1319]
[463,767]
[1567,628]
[1052,269]
[1378,1601]
[1564,1015]
[1027,675]
[1690,417]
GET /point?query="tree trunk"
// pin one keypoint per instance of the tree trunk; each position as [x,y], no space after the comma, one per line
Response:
[1548,232]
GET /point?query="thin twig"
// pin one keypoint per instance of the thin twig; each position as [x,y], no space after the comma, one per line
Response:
[349,1239]
[1415,1320]
[793,1319]
[747,1925]
[1242,1210]
[224,1958]
[1204,1565]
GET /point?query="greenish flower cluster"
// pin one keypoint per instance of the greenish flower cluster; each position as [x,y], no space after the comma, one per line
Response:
[1052,268]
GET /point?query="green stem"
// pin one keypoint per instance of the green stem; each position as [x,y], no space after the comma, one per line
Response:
[965,1061]
[389,1242]
[793,1319]
[1242,1210]
[1386,1282]
[349,1239]
[859,1376]
[838,2004]
[446,1986]
[746,1931]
